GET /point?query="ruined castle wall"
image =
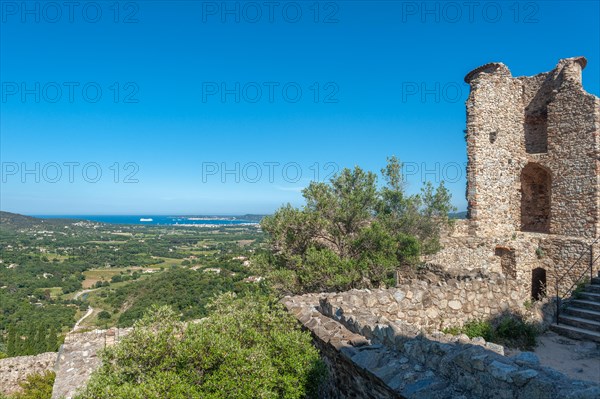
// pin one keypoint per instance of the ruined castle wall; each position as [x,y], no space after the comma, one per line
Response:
[574,156]
[547,123]
[570,259]
[14,370]
[434,305]
[475,367]
[533,261]
[466,254]
[347,377]
[79,357]
[597,161]
[494,120]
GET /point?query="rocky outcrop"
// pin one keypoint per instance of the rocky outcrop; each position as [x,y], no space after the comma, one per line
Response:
[14,370]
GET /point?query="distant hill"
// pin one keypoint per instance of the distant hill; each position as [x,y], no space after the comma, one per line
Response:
[15,221]
[458,215]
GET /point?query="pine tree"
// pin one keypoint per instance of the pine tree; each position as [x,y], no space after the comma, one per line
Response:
[11,344]
[52,342]
[29,342]
[39,344]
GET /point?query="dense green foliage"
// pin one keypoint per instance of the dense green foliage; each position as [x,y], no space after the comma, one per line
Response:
[186,291]
[29,317]
[44,262]
[30,340]
[352,233]
[248,347]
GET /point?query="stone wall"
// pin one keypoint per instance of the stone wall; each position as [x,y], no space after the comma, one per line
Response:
[524,257]
[467,253]
[434,303]
[359,369]
[494,121]
[370,356]
[544,127]
[78,359]
[338,345]
[16,369]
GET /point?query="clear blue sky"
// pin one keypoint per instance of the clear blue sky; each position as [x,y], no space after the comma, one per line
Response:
[372,58]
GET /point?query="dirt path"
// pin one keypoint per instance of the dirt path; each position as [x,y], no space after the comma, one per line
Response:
[90,309]
[577,359]
[88,313]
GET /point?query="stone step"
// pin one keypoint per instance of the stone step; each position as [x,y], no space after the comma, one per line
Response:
[589,296]
[575,332]
[580,322]
[583,313]
[596,281]
[592,288]
[582,303]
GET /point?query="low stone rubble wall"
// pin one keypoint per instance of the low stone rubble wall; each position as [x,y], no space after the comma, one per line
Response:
[16,369]
[435,304]
[78,359]
[359,369]
[377,353]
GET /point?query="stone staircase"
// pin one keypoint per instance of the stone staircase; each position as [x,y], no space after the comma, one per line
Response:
[580,319]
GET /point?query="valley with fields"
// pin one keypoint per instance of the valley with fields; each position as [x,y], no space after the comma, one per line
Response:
[55,273]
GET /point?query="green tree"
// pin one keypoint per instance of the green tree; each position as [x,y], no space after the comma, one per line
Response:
[352,234]
[104,315]
[38,343]
[52,342]
[11,342]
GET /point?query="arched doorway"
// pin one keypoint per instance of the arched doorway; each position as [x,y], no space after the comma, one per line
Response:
[536,187]
[538,283]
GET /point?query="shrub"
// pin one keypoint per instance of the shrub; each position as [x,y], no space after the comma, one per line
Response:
[478,328]
[36,386]
[508,330]
[473,328]
[248,347]
[515,332]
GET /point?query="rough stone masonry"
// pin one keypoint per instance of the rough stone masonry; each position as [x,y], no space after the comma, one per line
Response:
[533,178]
[371,356]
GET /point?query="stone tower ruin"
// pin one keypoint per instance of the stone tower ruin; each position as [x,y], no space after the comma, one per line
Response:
[533,179]
[533,151]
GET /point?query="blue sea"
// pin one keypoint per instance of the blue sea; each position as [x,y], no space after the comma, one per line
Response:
[155,220]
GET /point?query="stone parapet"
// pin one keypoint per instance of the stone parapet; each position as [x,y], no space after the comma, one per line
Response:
[370,356]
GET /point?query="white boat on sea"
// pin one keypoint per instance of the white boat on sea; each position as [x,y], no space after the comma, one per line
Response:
[146,220]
